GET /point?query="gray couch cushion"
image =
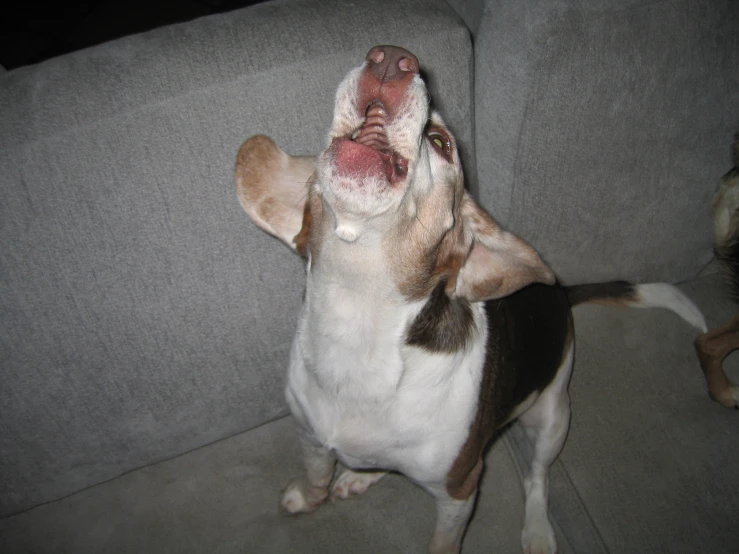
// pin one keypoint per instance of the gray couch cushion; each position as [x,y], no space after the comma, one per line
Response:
[223,498]
[141,313]
[602,128]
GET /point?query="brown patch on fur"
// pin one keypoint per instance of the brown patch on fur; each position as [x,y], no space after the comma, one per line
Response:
[425,250]
[529,334]
[494,279]
[464,485]
[302,238]
[258,158]
[498,263]
[272,186]
[429,247]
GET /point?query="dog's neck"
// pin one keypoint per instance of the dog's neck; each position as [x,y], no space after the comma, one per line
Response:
[350,292]
[357,268]
[347,253]
[354,321]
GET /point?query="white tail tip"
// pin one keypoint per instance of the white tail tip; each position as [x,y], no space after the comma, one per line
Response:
[663,295]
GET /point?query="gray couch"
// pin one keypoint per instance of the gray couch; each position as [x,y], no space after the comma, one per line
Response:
[145,321]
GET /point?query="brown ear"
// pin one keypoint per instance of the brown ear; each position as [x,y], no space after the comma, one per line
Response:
[498,263]
[272,187]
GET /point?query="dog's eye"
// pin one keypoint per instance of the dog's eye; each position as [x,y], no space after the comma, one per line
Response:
[441,142]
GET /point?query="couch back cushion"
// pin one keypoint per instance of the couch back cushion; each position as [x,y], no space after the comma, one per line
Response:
[603,128]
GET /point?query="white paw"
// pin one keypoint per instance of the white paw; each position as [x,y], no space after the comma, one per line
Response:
[299,498]
[538,538]
[351,483]
[729,397]
[735,395]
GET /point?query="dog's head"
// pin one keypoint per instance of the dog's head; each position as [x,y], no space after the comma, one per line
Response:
[390,179]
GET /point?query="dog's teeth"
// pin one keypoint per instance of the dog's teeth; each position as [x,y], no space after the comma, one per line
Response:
[372,131]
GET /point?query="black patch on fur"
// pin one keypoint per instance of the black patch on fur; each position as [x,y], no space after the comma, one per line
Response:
[443,325]
[600,292]
[527,336]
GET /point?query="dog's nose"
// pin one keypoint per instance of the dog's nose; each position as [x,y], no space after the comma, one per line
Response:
[391,63]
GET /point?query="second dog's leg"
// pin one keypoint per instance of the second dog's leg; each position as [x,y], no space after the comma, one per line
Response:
[306,494]
[712,348]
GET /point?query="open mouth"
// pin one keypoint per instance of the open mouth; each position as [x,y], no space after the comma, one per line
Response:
[368,153]
[383,89]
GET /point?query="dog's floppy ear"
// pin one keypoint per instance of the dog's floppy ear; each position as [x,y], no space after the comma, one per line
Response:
[272,187]
[498,263]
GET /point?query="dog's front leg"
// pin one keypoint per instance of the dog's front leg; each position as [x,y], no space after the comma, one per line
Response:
[452,515]
[307,493]
[350,483]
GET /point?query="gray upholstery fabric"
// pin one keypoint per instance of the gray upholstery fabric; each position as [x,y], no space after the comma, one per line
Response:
[224,498]
[141,313]
[470,11]
[601,129]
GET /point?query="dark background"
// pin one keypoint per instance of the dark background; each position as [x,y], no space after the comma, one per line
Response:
[31,32]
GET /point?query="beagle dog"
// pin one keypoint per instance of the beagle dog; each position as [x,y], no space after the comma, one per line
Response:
[714,346]
[425,327]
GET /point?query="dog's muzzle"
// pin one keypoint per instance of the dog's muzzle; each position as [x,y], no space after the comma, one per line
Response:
[381,89]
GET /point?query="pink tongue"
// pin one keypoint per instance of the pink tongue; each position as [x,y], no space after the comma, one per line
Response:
[356,160]
[372,133]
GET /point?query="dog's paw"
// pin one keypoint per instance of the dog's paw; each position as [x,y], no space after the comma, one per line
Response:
[538,538]
[301,498]
[735,396]
[351,483]
[728,397]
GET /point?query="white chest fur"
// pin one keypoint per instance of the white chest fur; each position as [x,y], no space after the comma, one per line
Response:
[365,394]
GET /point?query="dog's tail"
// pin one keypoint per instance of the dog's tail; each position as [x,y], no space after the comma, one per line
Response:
[650,295]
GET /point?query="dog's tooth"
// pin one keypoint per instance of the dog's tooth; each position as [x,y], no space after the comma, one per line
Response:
[372,132]
[375,121]
[376,107]
[375,114]
[374,138]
